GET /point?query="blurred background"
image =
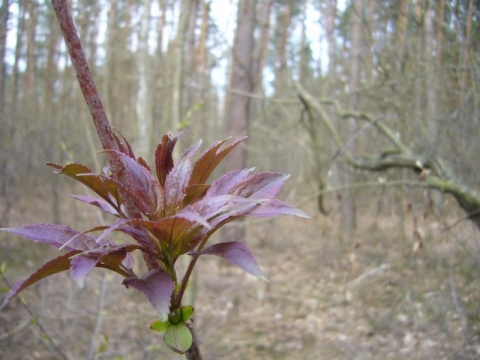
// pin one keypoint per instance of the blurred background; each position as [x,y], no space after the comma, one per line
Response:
[366,103]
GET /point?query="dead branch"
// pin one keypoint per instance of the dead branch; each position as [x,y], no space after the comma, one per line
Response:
[431,170]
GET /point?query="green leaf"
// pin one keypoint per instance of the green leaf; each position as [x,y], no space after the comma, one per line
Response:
[178,338]
[187,312]
[160,325]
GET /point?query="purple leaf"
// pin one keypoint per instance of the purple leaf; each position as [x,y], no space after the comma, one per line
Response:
[59,236]
[102,204]
[263,185]
[111,257]
[140,235]
[191,150]
[158,288]
[276,207]
[237,253]
[176,185]
[54,266]
[217,208]
[107,229]
[141,184]
[222,185]
[210,159]
[81,265]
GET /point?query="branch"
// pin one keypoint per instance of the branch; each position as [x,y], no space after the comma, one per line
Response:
[432,171]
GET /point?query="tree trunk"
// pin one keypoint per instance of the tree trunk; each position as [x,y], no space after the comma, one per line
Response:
[3,44]
[348,201]
[143,106]
[158,91]
[262,48]
[178,64]
[237,107]
[466,55]
[29,83]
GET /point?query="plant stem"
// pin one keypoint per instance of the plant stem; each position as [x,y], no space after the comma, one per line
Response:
[194,352]
[183,285]
[84,75]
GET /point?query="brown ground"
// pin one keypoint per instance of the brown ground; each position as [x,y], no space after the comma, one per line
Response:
[381,296]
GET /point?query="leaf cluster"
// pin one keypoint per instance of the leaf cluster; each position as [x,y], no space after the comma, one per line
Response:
[168,212]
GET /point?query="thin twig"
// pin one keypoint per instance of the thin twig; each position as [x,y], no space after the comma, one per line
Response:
[98,319]
[35,320]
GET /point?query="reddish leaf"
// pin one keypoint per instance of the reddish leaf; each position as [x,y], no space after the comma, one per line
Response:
[123,146]
[142,162]
[164,157]
[194,193]
[176,231]
[238,254]
[158,288]
[210,159]
[54,266]
[93,181]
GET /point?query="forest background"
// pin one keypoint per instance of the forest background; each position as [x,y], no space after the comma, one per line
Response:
[372,106]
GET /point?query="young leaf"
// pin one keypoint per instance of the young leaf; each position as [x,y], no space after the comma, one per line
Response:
[143,187]
[160,325]
[158,288]
[237,253]
[164,157]
[177,230]
[176,184]
[187,312]
[178,338]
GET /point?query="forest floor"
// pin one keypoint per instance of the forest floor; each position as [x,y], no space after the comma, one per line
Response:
[395,291]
